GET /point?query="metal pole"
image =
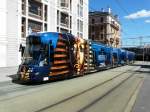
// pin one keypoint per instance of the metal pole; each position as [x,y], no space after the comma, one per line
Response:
[143,54]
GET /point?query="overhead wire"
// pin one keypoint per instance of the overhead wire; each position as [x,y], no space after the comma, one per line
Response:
[123,9]
[126,12]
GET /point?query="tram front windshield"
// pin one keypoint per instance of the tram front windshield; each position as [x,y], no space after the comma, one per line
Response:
[34,51]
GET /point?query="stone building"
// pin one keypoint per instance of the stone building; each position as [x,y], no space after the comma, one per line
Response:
[105,27]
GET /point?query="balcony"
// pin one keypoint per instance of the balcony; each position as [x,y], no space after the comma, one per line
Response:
[35,15]
[64,25]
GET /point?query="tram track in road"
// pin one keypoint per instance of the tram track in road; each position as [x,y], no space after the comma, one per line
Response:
[129,105]
[10,89]
[118,99]
[103,94]
[46,91]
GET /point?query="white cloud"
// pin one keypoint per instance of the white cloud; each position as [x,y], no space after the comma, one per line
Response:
[140,14]
[147,21]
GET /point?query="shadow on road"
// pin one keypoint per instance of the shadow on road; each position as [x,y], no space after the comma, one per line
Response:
[16,81]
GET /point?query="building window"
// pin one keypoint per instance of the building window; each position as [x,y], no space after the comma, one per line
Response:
[45,13]
[35,26]
[102,19]
[81,2]
[23,7]
[70,22]
[93,37]
[102,27]
[102,36]
[64,20]
[45,27]
[93,28]
[79,25]
[93,21]
[70,5]
[57,29]
[23,28]
[80,10]
[64,3]
[35,8]
[58,17]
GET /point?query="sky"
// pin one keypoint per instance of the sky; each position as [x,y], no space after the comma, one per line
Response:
[134,16]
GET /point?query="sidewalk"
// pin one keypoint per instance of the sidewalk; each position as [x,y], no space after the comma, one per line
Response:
[143,100]
[6,73]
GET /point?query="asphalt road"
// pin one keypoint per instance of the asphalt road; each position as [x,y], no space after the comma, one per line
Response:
[114,90]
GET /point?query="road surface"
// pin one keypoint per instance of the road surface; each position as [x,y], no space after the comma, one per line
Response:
[114,90]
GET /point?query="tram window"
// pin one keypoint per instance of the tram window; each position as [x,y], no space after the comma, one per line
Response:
[34,40]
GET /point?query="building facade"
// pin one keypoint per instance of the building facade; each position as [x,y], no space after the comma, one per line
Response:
[104,27]
[21,17]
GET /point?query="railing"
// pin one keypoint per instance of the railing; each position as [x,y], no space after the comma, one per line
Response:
[64,25]
[35,15]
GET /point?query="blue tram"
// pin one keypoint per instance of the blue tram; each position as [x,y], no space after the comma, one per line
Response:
[52,55]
